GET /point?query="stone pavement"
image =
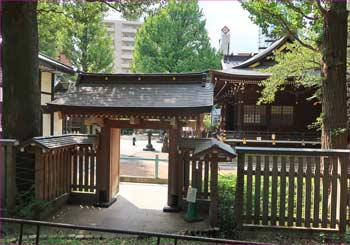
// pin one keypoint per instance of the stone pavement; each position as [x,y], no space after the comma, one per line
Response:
[138,207]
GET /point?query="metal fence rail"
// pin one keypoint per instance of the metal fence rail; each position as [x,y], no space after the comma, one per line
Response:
[156,160]
[159,236]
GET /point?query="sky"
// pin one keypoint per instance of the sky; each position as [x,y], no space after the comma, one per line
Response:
[218,13]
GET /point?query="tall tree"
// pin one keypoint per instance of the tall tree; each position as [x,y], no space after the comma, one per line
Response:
[75,29]
[328,19]
[21,95]
[174,39]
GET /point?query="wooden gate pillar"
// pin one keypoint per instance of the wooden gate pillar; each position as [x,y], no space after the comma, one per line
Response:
[103,168]
[173,172]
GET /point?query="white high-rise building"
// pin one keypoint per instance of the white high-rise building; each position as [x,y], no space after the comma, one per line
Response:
[264,40]
[225,40]
[123,33]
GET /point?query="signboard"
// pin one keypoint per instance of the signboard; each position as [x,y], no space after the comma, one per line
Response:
[191,195]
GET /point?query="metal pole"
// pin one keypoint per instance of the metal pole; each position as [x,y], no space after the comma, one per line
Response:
[156,166]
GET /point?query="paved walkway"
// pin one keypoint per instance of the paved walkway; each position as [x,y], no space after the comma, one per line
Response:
[138,207]
[142,168]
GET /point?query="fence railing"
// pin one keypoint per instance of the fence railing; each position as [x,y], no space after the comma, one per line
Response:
[176,238]
[8,174]
[156,160]
[83,159]
[52,175]
[292,187]
[197,173]
[273,136]
[63,170]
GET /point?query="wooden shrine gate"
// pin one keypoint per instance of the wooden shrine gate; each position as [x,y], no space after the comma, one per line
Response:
[110,102]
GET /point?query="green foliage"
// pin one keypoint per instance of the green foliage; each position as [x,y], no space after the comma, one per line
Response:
[75,30]
[294,18]
[174,39]
[29,207]
[227,189]
[296,62]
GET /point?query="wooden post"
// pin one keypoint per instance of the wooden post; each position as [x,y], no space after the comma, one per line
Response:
[239,189]
[214,195]
[342,163]
[102,165]
[173,170]
[10,177]
[39,174]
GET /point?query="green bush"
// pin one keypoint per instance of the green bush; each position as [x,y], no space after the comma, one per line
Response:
[226,189]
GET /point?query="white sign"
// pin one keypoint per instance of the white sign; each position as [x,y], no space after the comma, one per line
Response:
[191,194]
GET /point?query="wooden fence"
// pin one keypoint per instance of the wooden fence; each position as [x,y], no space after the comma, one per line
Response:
[8,174]
[84,169]
[64,170]
[201,172]
[285,187]
[197,173]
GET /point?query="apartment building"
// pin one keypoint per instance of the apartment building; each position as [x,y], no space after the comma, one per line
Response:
[123,33]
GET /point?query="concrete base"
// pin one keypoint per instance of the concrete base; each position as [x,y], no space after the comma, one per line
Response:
[105,204]
[149,148]
[139,207]
[169,209]
[53,206]
[139,179]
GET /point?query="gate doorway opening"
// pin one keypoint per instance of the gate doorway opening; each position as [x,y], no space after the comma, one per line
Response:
[144,155]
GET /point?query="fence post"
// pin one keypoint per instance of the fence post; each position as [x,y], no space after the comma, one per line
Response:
[156,166]
[342,164]
[239,189]
[214,196]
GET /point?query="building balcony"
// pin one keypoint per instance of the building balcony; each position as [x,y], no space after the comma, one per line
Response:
[129,30]
[130,48]
[125,65]
[128,39]
[126,56]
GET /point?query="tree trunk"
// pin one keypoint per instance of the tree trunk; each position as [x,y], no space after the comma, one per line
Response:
[21,92]
[333,71]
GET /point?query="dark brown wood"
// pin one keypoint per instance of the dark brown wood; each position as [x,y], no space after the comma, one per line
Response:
[181,159]
[257,190]
[282,211]
[92,170]
[265,194]
[39,174]
[20,121]
[308,192]
[186,170]
[206,177]
[86,168]
[80,167]
[334,191]
[300,191]
[214,196]
[46,177]
[291,190]
[326,185]
[200,176]
[75,168]
[342,162]
[274,191]
[239,190]
[114,171]
[249,210]
[193,172]
[316,162]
